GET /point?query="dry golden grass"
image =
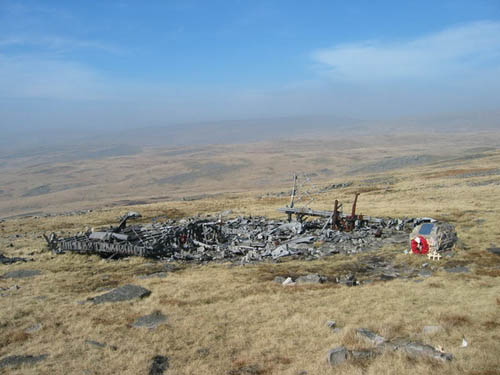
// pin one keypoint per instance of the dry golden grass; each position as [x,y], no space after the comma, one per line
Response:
[227,319]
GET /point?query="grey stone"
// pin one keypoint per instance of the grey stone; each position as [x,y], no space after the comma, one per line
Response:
[370,336]
[349,280]
[202,352]
[331,324]
[34,328]
[388,276]
[6,260]
[279,279]
[494,250]
[21,274]
[123,293]
[312,278]
[95,344]
[159,365]
[425,273]
[337,356]
[432,329]
[457,269]
[20,360]
[150,321]
[417,349]
[363,354]
[99,345]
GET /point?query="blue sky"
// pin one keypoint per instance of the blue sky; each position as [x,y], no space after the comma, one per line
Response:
[134,63]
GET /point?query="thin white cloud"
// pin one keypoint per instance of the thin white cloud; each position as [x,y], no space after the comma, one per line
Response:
[454,51]
[57,44]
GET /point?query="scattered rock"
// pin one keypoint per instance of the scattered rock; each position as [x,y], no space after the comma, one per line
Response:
[370,336]
[6,260]
[159,365]
[279,279]
[21,274]
[432,329]
[331,324]
[150,321]
[388,276]
[202,352]
[349,280]
[123,293]
[288,281]
[20,360]
[411,348]
[457,269]
[99,345]
[312,278]
[425,273]
[34,328]
[96,344]
[494,250]
[417,349]
[337,356]
[362,354]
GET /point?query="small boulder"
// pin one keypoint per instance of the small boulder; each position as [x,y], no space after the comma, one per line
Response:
[494,250]
[362,354]
[21,360]
[457,269]
[21,274]
[123,293]
[370,336]
[279,279]
[337,356]
[331,324]
[34,328]
[417,349]
[159,365]
[312,278]
[150,321]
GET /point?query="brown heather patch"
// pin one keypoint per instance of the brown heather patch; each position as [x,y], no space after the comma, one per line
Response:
[491,272]
[455,320]
[14,337]
[435,285]
[491,325]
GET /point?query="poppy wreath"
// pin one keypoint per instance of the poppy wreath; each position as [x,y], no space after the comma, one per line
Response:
[420,246]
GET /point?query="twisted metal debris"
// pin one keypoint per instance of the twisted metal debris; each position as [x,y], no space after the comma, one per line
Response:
[244,239]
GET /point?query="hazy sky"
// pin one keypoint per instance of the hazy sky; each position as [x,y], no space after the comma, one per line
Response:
[132,63]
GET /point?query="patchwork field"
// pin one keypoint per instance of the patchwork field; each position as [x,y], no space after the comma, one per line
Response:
[233,319]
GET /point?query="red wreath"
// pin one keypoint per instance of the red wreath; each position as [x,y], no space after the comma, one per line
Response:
[421,247]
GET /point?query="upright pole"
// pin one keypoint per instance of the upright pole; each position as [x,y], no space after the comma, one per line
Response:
[292,196]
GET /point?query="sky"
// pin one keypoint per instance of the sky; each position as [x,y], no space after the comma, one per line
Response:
[126,64]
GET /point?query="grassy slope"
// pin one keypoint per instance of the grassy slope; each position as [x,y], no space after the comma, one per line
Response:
[247,323]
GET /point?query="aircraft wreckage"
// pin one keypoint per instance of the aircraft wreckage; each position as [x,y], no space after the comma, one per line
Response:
[247,239]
